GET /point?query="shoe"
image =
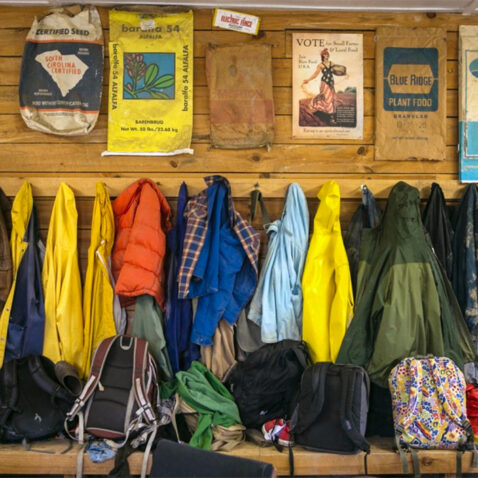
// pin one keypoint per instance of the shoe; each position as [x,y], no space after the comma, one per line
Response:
[278,431]
[67,375]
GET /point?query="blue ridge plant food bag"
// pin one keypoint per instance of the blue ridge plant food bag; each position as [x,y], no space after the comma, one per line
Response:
[62,72]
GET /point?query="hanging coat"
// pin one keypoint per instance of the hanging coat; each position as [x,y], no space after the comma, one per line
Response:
[405,304]
[277,303]
[6,209]
[367,215]
[220,357]
[465,255]
[142,219]
[148,325]
[438,225]
[23,317]
[326,283]
[179,312]
[62,285]
[220,253]
[98,293]
[6,266]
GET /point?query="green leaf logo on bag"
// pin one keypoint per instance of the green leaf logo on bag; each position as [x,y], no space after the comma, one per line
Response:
[148,76]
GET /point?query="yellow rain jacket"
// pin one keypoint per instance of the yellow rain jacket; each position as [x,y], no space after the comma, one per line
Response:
[62,285]
[326,283]
[21,212]
[98,293]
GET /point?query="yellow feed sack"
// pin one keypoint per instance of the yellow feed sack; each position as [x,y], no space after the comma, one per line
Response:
[151,80]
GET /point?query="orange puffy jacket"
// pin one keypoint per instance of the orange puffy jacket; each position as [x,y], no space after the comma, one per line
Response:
[142,219]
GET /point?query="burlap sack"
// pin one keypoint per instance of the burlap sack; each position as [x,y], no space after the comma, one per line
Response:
[240,95]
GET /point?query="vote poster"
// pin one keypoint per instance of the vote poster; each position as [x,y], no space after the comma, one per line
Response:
[410,93]
[327,85]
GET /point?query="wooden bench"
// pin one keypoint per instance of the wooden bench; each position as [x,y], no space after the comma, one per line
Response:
[382,460]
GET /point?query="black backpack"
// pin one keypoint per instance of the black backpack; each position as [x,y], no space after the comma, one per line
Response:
[331,413]
[33,403]
[266,384]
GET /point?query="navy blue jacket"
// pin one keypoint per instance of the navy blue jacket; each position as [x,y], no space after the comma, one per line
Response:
[27,316]
[179,312]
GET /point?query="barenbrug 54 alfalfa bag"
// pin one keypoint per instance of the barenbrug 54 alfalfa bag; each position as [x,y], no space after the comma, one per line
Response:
[151,83]
[62,72]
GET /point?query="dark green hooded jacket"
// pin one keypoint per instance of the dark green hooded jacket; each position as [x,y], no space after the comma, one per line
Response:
[405,305]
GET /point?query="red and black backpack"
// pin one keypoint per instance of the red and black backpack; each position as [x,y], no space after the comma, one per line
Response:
[118,402]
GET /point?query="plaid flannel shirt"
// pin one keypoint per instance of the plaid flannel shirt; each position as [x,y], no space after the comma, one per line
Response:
[197,214]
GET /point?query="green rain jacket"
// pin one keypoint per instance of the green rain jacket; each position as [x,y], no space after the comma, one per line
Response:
[203,392]
[405,305]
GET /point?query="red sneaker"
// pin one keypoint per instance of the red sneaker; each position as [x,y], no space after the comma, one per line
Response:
[277,431]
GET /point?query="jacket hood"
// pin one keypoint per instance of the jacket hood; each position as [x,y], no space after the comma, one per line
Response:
[328,213]
[402,214]
[147,191]
[22,209]
[67,224]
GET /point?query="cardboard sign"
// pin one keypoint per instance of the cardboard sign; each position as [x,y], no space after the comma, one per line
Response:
[468,104]
[410,93]
[239,22]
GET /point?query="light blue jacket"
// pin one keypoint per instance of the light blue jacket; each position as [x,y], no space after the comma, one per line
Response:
[277,303]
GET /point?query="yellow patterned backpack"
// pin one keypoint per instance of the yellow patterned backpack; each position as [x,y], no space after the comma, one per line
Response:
[429,407]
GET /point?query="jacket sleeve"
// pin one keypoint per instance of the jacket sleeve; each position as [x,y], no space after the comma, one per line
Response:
[341,310]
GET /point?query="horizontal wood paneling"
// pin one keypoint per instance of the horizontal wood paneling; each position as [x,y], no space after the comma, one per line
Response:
[382,459]
[281,72]
[12,41]
[312,158]
[47,159]
[12,130]
[18,17]
[242,185]
[282,101]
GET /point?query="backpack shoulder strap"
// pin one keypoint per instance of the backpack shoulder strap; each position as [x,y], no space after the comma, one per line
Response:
[312,396]
[348,378]
[43,380]
[140,366]
[9,392]
[303,356]
[95,374]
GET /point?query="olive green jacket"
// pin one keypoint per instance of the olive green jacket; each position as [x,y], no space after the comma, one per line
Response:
[405,305]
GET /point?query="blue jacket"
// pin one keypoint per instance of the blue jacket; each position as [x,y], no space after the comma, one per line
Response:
[224,277]
[27,316]
[179,313]
[277,303]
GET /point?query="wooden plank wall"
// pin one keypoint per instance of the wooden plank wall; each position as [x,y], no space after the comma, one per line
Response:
[46,160]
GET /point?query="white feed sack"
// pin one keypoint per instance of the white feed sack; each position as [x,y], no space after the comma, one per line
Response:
[62,72]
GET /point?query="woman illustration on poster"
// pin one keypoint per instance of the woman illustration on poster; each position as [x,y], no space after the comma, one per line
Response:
[325,101]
